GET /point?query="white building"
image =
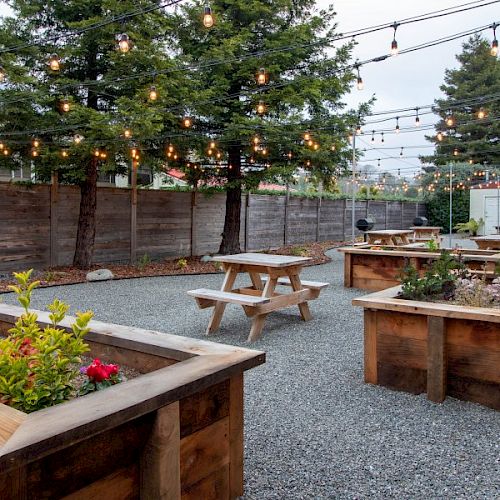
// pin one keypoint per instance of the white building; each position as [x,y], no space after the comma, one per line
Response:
[485,204]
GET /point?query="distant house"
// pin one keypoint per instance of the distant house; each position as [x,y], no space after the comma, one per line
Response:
[485,204]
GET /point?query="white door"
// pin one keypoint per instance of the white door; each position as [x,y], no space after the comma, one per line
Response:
[491,214]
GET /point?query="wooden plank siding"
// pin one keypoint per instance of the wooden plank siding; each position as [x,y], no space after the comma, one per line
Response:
[170,224]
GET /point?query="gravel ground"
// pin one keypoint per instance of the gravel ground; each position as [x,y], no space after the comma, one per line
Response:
[313,428]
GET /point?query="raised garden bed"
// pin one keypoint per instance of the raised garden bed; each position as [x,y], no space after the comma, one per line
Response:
[441,349]
[176,431]
[376,268]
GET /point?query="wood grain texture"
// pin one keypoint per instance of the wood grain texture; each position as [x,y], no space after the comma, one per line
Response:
[370,346]
[236,445]
[213,487]
[436,359]
[10,420]
[160,458]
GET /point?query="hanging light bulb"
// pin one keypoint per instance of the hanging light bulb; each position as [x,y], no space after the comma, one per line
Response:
[439,136]
[127,133]
[153,93]
[54,62]
[208,18]
[77,139]
[124,44]
[212,145]
[97,153]
[64,153]
[358,129]
[103,155]
[394,44]
[450,121]
[6,152]
[261,108]
[65,105]
[218,155]
[350,138]
[34,153]
[401,153]
[255,139]
[310,143]
[3,74]
[170,148]
[262,76]
[210,151]
[186,122]
[455,152]
[35,142]
[263,151]
[333,148]
[373,136]
[382,140]
[378,165]
[397,124]
[289,155]
[481,113]
[417,118]
[316,146]
[494,43]
[360,85]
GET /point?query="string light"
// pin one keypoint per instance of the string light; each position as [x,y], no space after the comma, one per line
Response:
[64,153]
[358,129]
[382,140]
[54,62]
[360,85]
[34,153]
[307,136]
[3,74]
[65,105]
[333,148]
[450,121]
[373,136]
[187,122]
[208,18]
[77,139]
[261,108]
[316,146]
[394,44]
[127,133]
[439,136]
[401,153]
[153,93]
[481,113]
[310,143]
[212,145]
[494,43]
[124,44]
[417,118]
[6,152]
[35,142]
[262,76]
[455,152]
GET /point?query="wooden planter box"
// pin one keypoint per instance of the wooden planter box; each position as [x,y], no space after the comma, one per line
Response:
[174,432]
[375,270]
[440,349]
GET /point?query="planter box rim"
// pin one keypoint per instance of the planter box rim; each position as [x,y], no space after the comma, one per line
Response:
[387,300]
[472,254]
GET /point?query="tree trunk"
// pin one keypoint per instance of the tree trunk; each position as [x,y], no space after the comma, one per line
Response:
[231,235]
[86,220]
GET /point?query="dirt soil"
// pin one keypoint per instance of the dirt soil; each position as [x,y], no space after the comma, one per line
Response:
[66,275]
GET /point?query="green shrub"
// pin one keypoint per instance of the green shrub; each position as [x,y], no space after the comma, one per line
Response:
[472,226]
[438,209]
[182,263]
[143,262]
[37,366]
[298,251]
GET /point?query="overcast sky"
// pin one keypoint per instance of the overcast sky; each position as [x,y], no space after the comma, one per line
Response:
[408,80]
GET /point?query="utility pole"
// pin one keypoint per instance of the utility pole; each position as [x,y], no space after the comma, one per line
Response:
[451,199]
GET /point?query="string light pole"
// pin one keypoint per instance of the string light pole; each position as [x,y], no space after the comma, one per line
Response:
[451,199]
[353,218]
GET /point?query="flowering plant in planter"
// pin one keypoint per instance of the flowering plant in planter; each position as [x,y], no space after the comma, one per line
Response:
[37,366]
[99,376]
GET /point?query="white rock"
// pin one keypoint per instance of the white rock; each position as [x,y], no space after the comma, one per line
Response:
[100,275]
[206,258]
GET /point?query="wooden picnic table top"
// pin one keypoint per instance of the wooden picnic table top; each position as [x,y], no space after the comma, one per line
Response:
[426,228]
[262,259]
[389,232]
[489,237]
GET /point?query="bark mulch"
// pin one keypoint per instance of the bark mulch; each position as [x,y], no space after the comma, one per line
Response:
[67,275]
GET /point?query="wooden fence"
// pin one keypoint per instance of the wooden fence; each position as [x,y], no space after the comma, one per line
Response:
[38,223]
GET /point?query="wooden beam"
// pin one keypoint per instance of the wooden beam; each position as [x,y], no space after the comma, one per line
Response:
[348,270]
[10,420]
[236,436]
[370,347]
[133,214]
[160,460]
[436,359]
[54,218]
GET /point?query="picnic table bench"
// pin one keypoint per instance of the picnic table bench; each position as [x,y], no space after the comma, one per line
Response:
[260,298]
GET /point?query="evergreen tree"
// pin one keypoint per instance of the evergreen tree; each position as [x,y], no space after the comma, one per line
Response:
[106,91]
[469,130]
[248,129]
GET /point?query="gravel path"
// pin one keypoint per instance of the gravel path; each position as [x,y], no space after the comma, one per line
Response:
[313,428]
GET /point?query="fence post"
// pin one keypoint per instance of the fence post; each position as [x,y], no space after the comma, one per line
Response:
[386,214]
[193,225]
[402,214]
[287,200]
[318,218]
[54,222]
[247,210]
[133,214]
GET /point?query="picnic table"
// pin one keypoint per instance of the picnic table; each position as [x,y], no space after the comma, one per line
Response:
[396,237]
[490,242]
[260,298]
[426,233]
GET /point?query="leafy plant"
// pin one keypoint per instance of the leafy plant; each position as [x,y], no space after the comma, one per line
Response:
[143,262]
[472,227]
[182,263]
[437,282]
[432,245]
[36,364]
[298,251]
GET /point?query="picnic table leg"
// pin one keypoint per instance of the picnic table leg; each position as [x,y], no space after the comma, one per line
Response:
[297,286]
[256,280]
[258,321]
[218,311]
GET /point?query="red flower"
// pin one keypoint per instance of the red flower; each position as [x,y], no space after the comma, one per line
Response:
[99,372]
